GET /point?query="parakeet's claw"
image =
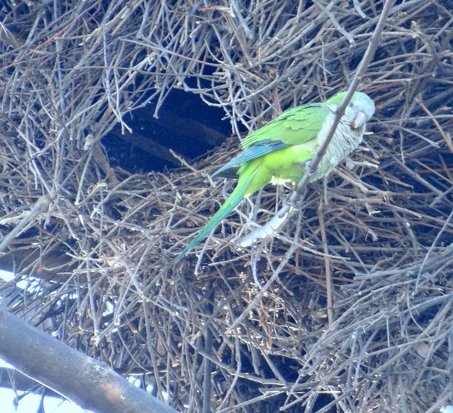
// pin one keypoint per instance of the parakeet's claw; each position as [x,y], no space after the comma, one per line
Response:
[350,164]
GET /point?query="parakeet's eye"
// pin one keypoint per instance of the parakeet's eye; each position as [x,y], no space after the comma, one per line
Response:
[350,105]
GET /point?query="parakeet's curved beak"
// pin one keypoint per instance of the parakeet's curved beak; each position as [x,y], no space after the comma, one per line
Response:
[359,120]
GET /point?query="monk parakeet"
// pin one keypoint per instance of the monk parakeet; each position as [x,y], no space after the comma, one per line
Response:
[279,151]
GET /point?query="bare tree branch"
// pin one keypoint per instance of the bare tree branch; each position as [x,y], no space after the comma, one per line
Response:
[87,382]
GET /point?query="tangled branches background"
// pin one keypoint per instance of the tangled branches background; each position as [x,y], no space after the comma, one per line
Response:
[100,240]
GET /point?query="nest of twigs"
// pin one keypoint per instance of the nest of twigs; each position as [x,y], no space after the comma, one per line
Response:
[348,309]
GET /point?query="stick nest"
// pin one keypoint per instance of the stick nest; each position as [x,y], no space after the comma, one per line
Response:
[96,251]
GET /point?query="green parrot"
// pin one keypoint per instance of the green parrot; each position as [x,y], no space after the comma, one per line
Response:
[278,151]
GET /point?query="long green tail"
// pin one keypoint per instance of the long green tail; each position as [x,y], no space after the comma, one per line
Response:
[228,206]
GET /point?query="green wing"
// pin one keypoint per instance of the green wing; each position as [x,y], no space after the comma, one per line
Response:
[259,149]
[293,127]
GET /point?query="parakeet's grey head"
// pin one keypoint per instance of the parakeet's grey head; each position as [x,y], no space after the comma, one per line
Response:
[359,110]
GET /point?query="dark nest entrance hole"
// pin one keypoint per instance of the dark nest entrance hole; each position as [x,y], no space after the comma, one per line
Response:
[184,124]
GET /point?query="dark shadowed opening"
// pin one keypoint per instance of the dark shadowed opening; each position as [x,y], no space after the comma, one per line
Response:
[185,124]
